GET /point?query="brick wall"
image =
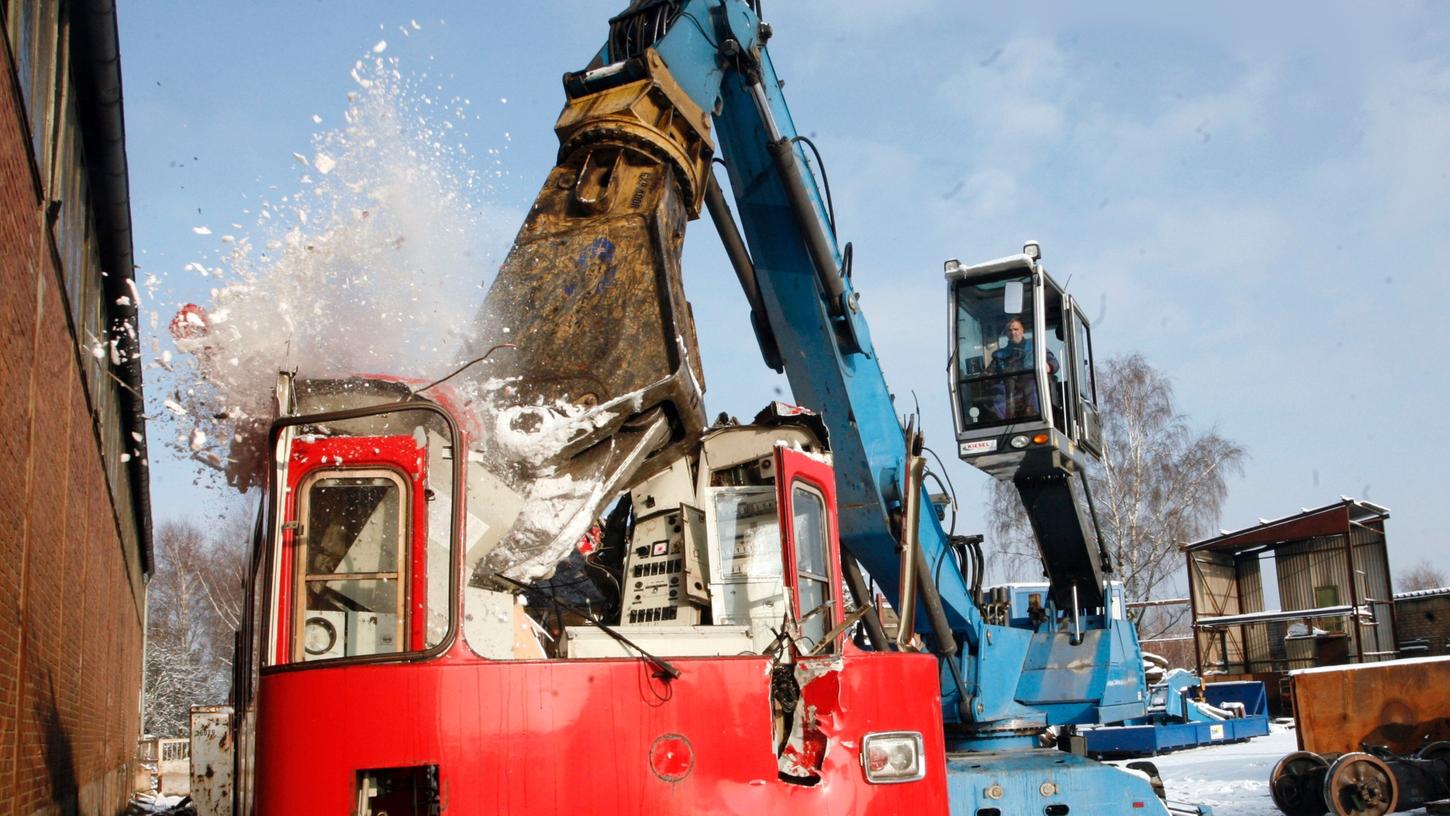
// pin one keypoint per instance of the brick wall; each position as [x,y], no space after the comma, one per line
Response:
[1424,617]
[70,613]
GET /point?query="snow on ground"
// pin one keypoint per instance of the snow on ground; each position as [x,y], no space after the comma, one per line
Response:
[1232,779]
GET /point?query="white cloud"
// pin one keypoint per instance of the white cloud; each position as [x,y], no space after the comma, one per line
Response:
[1407,145]
[1011,97]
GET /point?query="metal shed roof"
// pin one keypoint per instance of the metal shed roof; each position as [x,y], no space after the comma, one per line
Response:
[1327,520]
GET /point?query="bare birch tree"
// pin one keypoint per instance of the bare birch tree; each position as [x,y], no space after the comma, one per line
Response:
[1422,575]
[1161,483]
[193,607]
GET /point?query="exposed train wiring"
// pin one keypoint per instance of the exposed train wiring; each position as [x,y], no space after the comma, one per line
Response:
[459,370]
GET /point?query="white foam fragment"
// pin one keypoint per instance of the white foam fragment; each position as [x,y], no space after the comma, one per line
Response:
[313,278]
[201,230]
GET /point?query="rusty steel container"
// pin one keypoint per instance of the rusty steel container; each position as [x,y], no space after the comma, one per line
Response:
[211,760]
[1400,705]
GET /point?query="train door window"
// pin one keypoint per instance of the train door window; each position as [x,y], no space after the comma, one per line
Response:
[812,571]
[353,576]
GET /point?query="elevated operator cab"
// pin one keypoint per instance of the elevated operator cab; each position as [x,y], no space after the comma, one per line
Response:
[1015,336]
[1025,402]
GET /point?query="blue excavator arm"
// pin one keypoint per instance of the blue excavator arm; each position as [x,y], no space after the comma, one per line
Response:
[638,142]
[808,312]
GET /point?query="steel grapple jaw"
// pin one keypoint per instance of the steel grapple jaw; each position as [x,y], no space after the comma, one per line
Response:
[604,379]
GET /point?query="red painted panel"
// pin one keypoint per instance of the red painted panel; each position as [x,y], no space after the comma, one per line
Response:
[581,736]
[340,454]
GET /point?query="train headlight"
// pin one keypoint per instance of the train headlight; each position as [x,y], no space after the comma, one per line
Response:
[1019,442]
[894,756]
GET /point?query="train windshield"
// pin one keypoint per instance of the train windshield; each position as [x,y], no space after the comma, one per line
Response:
[996,363]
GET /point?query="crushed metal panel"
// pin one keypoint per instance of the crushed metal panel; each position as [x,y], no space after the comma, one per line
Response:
[602,385]
[812,720]
[1401,705]
[211,760]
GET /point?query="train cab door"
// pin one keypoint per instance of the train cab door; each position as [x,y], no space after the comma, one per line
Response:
[805,487]
[806,497]
[353,576]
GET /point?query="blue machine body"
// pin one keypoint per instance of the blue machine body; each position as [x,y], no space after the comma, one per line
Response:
[1016,677]
[1177,722]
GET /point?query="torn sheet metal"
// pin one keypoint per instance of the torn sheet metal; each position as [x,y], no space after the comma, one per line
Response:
[811,717]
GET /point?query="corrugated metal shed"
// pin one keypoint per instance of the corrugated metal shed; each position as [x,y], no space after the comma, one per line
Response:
[1329,570]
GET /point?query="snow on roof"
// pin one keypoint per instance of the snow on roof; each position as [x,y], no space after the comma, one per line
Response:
[1383,664]
[1293,527]
[1422,593]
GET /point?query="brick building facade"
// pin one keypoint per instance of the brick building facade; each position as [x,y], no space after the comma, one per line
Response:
[1422,618]
[74,513]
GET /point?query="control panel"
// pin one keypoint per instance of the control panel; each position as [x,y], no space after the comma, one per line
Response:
[664,579]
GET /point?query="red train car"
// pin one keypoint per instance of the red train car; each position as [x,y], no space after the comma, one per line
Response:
[381,671]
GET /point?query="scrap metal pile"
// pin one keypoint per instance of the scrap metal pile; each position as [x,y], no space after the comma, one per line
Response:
[1375,739]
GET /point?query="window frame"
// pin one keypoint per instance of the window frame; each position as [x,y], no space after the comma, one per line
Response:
[274,656]
[798,573]
[405,539]
[968,388]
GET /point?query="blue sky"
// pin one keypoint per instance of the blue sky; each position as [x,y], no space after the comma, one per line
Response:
[1255,198]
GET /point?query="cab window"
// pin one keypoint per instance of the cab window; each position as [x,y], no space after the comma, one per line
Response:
[996,361]
[808,523]
[1086,386]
